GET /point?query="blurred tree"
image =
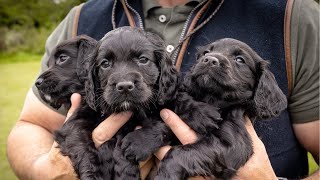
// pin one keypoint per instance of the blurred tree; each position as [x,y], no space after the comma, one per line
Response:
[24,24]
[33,13]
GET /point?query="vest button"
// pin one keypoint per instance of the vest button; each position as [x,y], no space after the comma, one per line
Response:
[162,18]
[170,48]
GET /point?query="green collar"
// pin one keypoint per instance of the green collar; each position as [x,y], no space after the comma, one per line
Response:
[151,4]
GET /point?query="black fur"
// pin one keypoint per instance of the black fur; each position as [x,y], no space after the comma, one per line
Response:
[229,79]
[66,71]
[129,71]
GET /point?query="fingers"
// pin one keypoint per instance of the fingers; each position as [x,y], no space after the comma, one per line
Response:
[109,127]
[142,163]
[145,167]
[183,132]
[250,128]
[162,152]
[56,166]
[75,102]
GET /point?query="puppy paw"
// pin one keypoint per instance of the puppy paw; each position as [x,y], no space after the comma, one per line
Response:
[204,118]
[138,145]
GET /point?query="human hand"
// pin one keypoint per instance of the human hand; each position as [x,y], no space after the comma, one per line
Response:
[54,165]
[61,165]
[258,166]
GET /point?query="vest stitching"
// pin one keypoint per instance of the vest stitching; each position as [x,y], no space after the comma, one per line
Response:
[177,49]
[135,12]
[75,23]
[287,43]
[113,16]
[129,16]
[192,29]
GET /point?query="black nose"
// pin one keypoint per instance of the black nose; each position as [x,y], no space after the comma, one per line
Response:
[38,82]
[210,60]
[125,86]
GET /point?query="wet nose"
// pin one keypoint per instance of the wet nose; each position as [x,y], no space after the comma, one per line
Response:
[38,82]
[126,86]
[210,60]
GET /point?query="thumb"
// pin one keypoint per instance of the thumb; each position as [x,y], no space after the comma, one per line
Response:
[182,131]
[75,102]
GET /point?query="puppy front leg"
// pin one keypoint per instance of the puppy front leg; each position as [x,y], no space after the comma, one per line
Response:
[75,141]
[185,161]
[142,143]
[107,160]
[201,117]
[124,168]
[210,156]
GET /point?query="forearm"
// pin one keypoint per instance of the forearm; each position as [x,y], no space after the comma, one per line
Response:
[28,151]
[313,176]
[23,152]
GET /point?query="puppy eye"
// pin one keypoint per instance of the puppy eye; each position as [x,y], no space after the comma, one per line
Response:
[105,63]
[240,60]
[206,52]
[62,58]
[143,60]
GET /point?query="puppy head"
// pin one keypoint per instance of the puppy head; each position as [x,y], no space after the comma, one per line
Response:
[66,71]
[230,70]
[130,70]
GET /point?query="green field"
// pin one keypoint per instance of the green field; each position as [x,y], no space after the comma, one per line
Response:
[17,75]
[15,80]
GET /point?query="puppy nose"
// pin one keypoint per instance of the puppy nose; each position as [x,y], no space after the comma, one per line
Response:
[38,82]
[125,86]
[210,60]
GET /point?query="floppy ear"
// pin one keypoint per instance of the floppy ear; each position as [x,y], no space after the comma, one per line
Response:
[91,84]
[268,98]
[86,46]
[169,79]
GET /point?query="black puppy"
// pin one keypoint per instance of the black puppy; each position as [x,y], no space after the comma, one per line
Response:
[130,71]
[66,71]
[230,76]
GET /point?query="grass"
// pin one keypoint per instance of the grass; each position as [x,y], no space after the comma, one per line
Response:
[16,78]
[22,57]
[18,71]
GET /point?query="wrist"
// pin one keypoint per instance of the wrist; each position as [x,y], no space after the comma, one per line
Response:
[53,165]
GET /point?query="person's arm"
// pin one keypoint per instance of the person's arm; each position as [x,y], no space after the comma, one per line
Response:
[30,143]
[258,166]
[304,98]
[32,152]
[308,136]
[31,140]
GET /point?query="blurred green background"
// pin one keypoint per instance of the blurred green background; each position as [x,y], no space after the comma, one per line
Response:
[24,27]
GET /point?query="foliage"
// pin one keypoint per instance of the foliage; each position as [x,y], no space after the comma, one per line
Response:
[26,24]
[33,13]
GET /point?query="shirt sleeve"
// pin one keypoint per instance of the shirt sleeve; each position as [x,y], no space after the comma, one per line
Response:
[62,32]
[304,99]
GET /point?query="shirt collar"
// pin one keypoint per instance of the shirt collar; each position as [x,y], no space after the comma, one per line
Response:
[150,4]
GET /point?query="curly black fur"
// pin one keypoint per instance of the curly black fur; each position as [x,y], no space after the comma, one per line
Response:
[66,71]
[129,71]
[229,79]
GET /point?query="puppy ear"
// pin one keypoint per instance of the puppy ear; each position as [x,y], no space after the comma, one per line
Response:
[268,98]
[86,46]
[91,84]
[169,78]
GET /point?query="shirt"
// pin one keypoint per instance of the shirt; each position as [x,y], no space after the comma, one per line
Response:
[304,99]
